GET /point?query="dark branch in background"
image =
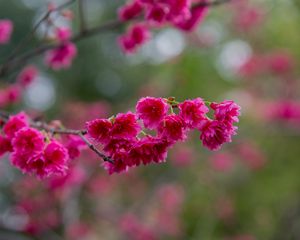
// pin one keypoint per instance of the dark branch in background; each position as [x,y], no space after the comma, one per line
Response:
[211,3]
[63,131]
[16,62]
[81,13]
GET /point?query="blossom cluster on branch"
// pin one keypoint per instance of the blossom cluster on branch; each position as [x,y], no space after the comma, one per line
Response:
[182,14]
[39,149]
[43,149]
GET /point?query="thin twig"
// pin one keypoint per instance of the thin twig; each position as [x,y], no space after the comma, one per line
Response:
[93,148]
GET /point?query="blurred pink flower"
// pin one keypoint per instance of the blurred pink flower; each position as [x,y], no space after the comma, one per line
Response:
[136,36]
[183,155]
[130,10]
[62,56]
[196,17]
[27,75]
[222,162]
[251,155]
[15,123]
[6,28]
[280,62]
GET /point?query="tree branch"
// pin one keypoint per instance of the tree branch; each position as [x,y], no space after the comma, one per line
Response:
[4,116]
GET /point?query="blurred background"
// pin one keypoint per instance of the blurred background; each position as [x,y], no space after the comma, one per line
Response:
[247,51]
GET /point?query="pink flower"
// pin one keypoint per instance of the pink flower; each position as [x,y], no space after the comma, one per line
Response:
[157,14]
[183,156]
[226,111]
[10,95]
[75,176]
[215,133]
[6,28]
[27,75]
[62,56]
[118,166]
[63,34]
[197,16]
[135,229]
[13,93]
[222,162]
[125,126]
[118,150]
[179,10]
[28,141]
[56,158]
[130,11]
[147,150]
[171,197]
[254,66]
[99,130]
[249,18]
[118,145]
[14,124]
[136,36]
[281,62]
[172,128]
[20,161]
[5,145]
[36,165]
[75,145]
[251,155]
[51,161]
[151,110]
[78,230]
[169,10]
[193,112]
[287,111]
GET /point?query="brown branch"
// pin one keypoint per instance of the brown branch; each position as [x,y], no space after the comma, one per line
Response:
[4,116]
[93,148]
[110,25]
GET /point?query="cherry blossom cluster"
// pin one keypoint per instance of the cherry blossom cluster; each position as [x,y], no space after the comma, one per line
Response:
[63,55]
[182,14]
[123,140]
[128,145]
[32,151]
[12,93]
